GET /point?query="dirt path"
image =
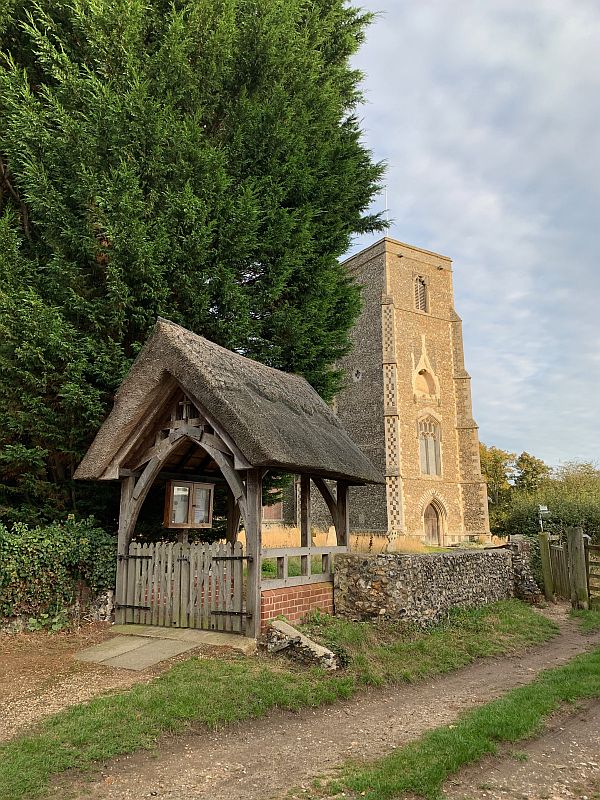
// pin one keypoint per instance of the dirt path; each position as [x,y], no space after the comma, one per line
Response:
[262,759]
[562,763]
[39,676]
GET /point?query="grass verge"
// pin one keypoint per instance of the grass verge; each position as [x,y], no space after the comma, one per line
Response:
[387,652]
[217,691]
[589,621]
[421,767]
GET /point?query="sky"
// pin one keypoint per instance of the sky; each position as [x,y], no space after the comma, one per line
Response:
[487,114]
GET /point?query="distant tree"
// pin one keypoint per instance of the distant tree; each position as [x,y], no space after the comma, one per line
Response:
[529,472]
[200,160]
[497,467]
[572,494]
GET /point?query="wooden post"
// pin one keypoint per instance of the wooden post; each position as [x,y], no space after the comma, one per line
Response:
[127,487]
[253,548]
[544,539]
[233,518]
[342,527]
[305,523]
[577,570]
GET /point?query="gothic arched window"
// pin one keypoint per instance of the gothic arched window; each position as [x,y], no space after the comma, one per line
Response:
[429,447]
[421,294]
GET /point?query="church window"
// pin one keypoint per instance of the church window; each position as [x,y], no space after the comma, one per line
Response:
[421,294]
[429,445]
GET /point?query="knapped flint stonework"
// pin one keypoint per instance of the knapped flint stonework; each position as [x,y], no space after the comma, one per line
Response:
[406,370]
[422,588]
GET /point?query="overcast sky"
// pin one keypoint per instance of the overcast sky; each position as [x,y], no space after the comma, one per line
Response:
[488,114]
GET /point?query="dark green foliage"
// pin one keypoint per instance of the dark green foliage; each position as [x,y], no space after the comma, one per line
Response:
[198,160]
[573,499]
[41,566]
[518,485]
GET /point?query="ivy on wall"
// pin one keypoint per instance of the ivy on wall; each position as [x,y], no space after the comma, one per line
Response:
[41,566]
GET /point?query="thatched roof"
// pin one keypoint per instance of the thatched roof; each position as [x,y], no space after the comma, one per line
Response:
[275,419]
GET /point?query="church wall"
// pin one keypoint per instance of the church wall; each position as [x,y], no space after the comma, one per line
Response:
[403,265]
[381,404]
[360,405]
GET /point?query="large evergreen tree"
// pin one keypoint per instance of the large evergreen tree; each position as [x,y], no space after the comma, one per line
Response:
[196,159]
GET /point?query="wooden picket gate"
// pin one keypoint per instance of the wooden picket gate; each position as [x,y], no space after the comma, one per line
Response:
[560,570]
[183,586]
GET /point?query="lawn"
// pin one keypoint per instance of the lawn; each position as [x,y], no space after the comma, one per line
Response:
[210,692]
[421,767]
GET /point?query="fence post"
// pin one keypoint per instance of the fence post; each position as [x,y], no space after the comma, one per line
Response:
[577,569]
[547,567]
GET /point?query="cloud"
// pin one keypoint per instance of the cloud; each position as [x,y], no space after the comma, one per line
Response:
[487,116]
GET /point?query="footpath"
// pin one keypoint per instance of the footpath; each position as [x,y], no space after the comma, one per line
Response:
[265,758]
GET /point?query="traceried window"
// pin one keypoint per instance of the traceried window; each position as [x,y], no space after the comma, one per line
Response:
[421,294]
[429,445]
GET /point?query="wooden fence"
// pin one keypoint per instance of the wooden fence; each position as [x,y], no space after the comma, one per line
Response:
[571,567]
[183,586]
[284,557]
[593,571]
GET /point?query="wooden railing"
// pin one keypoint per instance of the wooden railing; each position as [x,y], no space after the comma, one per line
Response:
[302,557]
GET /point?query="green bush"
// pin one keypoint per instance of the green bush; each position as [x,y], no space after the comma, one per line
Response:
[40,567]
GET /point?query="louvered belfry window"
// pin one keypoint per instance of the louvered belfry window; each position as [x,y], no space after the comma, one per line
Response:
[421,298]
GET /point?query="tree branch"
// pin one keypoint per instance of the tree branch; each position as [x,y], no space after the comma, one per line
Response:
[5,181]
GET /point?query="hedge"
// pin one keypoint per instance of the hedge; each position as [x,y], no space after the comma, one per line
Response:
[40,567]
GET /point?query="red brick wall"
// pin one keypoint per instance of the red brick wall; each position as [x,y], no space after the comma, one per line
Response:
[293,602]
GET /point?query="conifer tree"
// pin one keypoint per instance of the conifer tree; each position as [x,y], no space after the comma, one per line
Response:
[197,159]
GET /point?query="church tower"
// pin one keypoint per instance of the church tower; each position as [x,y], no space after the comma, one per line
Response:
[407,401]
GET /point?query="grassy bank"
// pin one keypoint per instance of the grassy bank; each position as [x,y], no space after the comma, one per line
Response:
[387,653]
[217,691]
[589,621]
[421,767]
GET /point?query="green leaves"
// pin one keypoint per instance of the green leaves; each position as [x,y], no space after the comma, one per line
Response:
[41,567]
[199,161]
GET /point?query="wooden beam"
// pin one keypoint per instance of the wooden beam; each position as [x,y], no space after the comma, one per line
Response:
[239,460]
[127,486]
[253,548]
[232,477]
[305,522]
[342,528]
[233,518]
[150,472]
[329,498]
[147,421]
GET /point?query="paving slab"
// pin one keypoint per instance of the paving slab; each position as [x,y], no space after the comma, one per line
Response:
[192,635]
[139,646]
[150,653]
[112,648]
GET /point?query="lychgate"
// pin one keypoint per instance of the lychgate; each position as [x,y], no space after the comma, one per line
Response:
[199,422]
